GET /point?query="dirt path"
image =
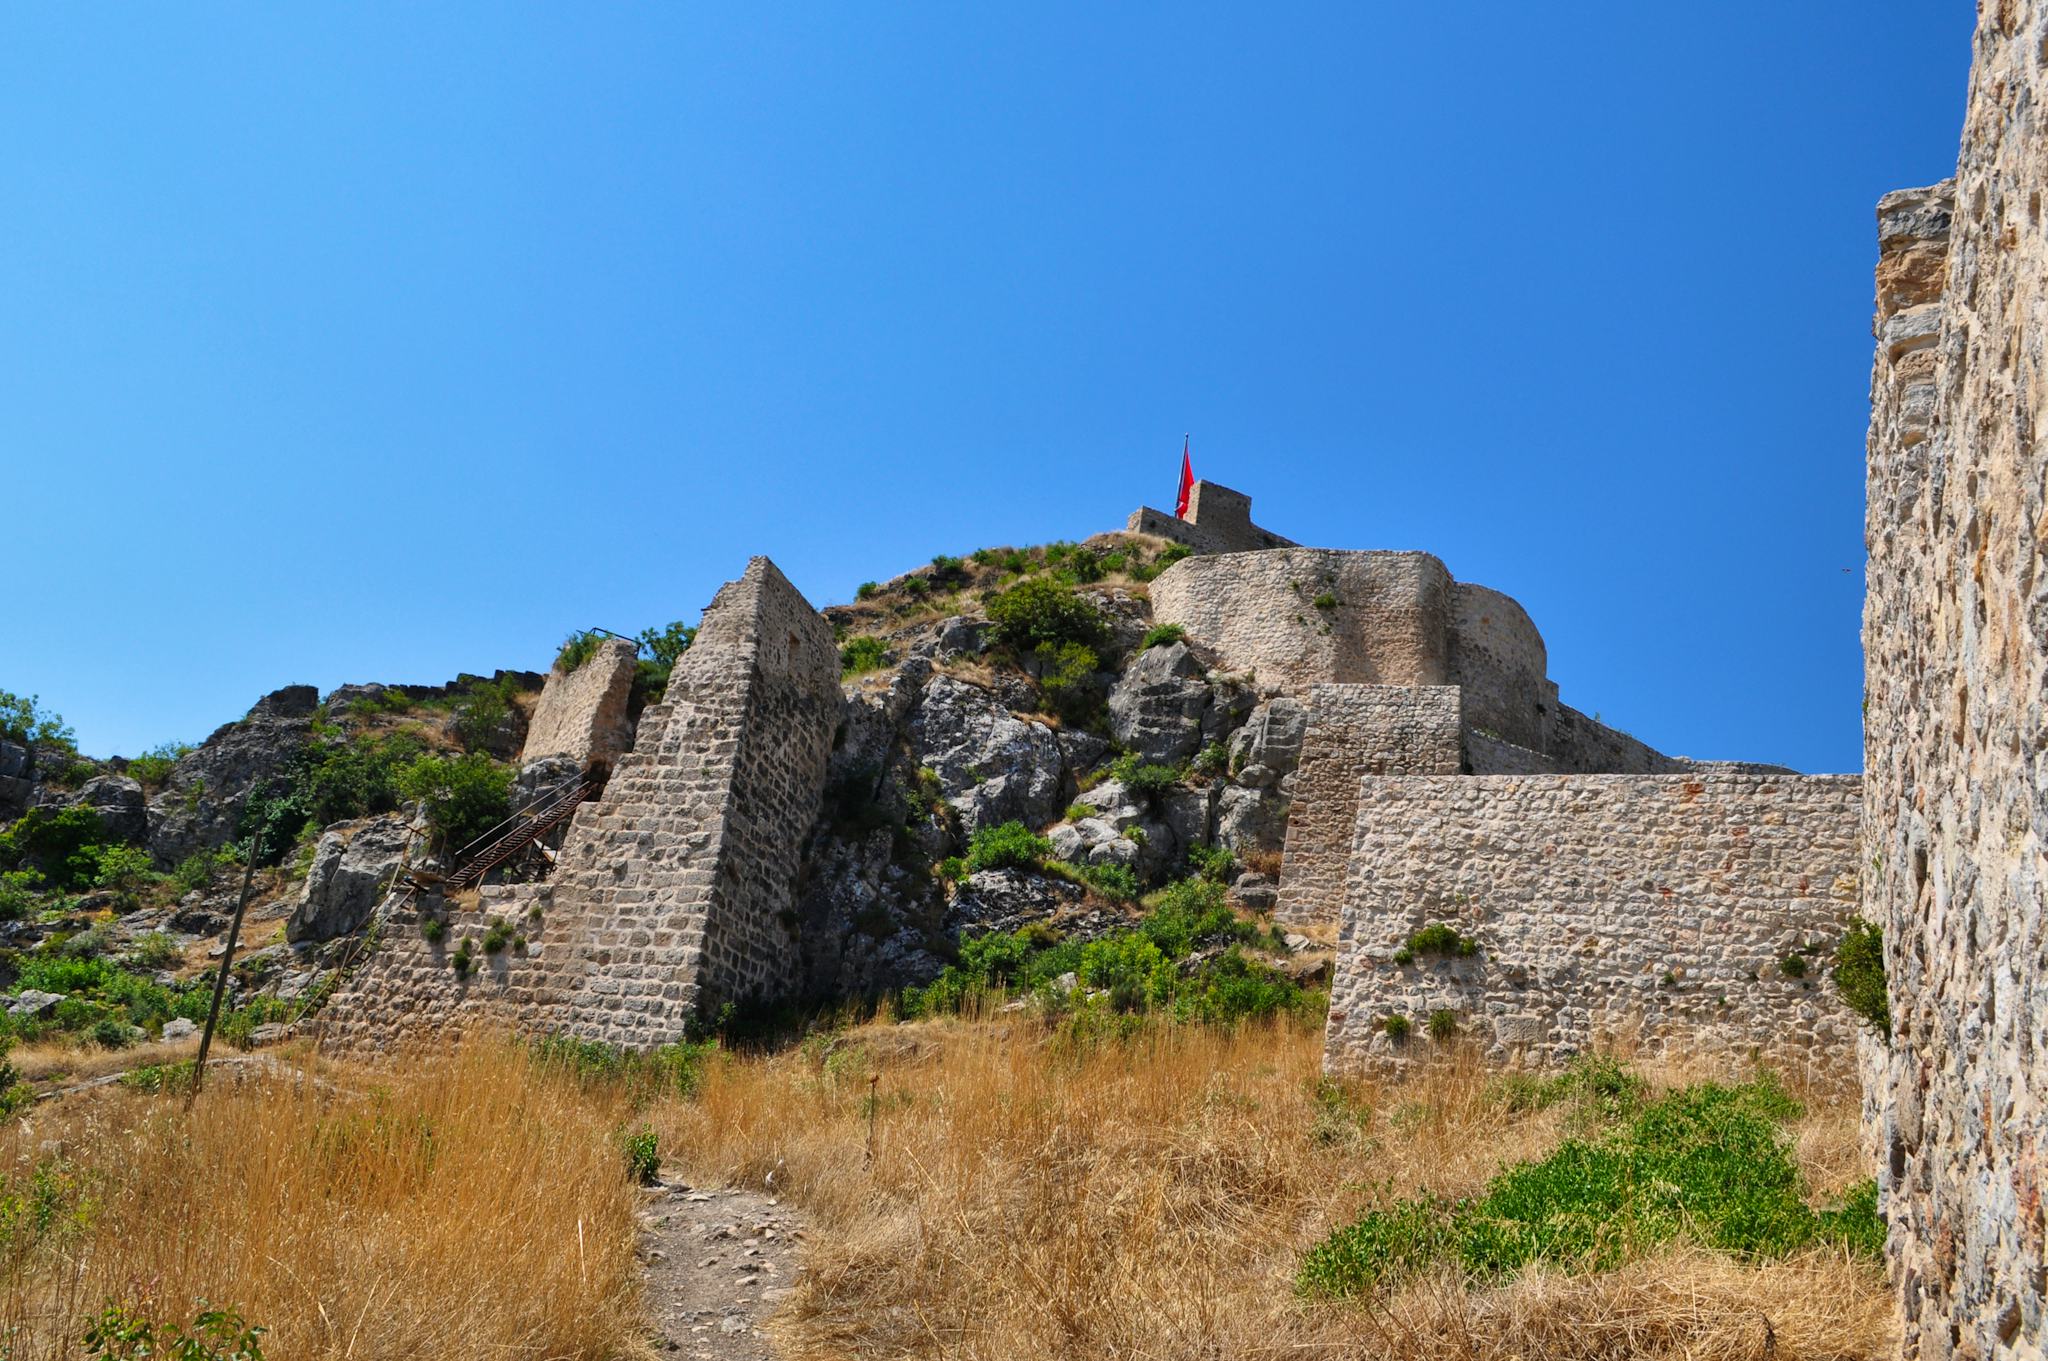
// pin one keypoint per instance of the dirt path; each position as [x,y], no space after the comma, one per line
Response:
[718,1263]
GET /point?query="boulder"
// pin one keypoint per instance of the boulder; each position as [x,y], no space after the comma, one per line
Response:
[31,1003]
[1003,900]
[119,802]
[993,767]
[16,786]
[1156,708]
[542,776]
[352,867]
[178,1028]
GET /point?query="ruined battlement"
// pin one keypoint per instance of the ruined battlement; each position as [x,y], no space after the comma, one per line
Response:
[1219,520]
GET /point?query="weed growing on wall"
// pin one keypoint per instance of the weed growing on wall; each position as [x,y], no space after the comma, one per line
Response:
[1859,974]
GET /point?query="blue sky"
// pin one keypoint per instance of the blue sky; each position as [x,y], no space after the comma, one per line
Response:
[385,342]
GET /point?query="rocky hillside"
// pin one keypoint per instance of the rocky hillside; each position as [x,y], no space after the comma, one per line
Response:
[1023,756]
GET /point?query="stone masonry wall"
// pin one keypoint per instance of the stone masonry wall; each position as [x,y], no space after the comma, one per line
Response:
[674,892]
[1354,731]
[582,713]
[1498,658]
[1634,911]
[1389,623]
[1219,521]
[1956,713]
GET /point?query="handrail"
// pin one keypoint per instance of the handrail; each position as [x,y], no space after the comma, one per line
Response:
[513,818]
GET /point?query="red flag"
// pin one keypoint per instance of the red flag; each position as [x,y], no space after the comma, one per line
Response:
[1187,480]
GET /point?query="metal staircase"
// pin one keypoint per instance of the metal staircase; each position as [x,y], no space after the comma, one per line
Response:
[506,840]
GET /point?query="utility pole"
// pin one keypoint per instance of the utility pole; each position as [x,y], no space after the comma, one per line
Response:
[220,980]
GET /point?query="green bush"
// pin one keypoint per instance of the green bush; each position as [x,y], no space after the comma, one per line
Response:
[1326,601]
[1443,1024]
[1043,612]
[54,841]
[1708,1162]
[1168,556]
[123,869]
[1130,969]
[1067,678]
[578,648]
[497,936]
[463,796]
[665,646]
[1859,974]
[125,1333]
[23,719]
[1212,760]
[643,1156]
[1396,1027]
[866,590]
[952,869]
[1793,966]
[1077,811]
[864,653]
[154,951]
[1148,782]
[1160,635]
[18,893]
[1439,939]
[154,766]
[1118,883]
[1214,863]
[1191,912]
[481,713]
[109,1033]
[1009,845]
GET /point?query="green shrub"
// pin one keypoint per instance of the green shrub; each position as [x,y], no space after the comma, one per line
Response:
[432,928]
[1067,678]
[643,1156]
[155,951]
[109,1033]
[154,766]
[1148,782]
[1130,969]
[947,568]
[24,720]
[1859,974]
[1793,966]
[1116,882]
[1077,811]
[1009,845]
[18,895]
[1082,566]
[125,1333]
[497,936]
[123,869]
[1214,863]
[1041,611]
[53,840]
[463,796]
[1439,939]
[864,653]
[1708,1162]
[1168,556]
[1159,635]
[952,869]
[1326,601]
[481,714]
[1213,759]
[665,646]
[464,958]
[1443,1024]
[578,648]
[1191,912]
[866,590]
[1396,1027]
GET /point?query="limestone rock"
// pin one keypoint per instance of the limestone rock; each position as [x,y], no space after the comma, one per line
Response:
[1251,819]
[352,867]
[31,1003]
[202,801]
[118,800]
[992,766]
[1270,739]
[178,1028]
[1003,900]
[1157,707]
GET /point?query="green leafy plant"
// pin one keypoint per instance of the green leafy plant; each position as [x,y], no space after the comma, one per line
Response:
[1008,845]
[1116,882]
[155,951]
[866,590]
[1439,939]
[481,714]
[1708,1162]
[1859,974]
[154,766]
[53,840]
[1212,760]
[463,796]
[1396,1027]
[1067,676]
[24,719]
[1040,611]
[1130,968]
[1160,635]
[432,928]
[125,1333]
[643,1156]
[1793,966]
[1078,811]
[952,869]
[1326,601]
[464,959]
[578,648]
[497,936]
[861,654]
[1443,1024]
[1148,781]
[1214,863]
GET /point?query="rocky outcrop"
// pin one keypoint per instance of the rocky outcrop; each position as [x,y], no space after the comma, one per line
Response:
[992,766]
[1157,707]
[202,801]
[119,803]
[353,865]
[16,785]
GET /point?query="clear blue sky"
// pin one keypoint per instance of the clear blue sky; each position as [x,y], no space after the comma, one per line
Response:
[384,342]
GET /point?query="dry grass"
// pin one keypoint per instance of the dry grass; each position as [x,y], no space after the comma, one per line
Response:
[68,1059]
[465,1206]
[1151,1202]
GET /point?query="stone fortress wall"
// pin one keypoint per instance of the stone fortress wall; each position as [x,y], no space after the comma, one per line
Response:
[674,891]
[1652,913]
[581,714]
[1955,635]
[1219,520]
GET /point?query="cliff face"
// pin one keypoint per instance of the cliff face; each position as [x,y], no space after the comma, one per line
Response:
[1956,647]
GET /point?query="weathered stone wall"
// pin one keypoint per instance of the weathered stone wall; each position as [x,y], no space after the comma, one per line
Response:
[1354,731]
[674,892]
[1956,713]
[1638,911]
[1219,521]
[1389,623]
[582,713]
[1498,658]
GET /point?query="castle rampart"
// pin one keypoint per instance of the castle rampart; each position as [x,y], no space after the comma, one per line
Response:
[1955,636]
[1219,520]
[1644,912]
[581,714]
[675,891]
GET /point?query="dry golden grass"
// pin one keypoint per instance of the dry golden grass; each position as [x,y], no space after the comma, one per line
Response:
[1011,1199]
[461,1206]
[72,1060]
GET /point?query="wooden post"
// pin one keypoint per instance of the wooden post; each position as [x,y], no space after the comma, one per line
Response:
[220,981]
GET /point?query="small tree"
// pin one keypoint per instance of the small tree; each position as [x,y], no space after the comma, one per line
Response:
[463,796]
[1039,612]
